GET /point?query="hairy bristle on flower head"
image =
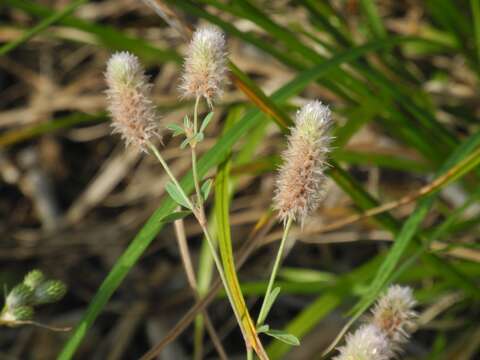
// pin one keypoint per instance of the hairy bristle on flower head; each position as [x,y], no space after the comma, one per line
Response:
[205,65]
[300,183]
[394,315]
[367,343]
[133,113]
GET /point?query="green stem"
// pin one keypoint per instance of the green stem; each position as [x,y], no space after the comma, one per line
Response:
[172,177]
[276,266]
[208,237]
[196,179]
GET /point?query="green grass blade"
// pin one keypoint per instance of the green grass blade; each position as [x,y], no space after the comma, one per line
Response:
[44,24]
[26,133]
[475,5]
[105,35]
[374,20]
[412,224]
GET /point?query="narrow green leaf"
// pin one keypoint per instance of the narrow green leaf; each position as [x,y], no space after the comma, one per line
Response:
[186,122]
[176,129]
[184,143]
[175,216]
[176,195]
[206,121]
[270,301]
[105,35]
[263,328]
[283,337]
[199,137]
[409,229]
[206,187]
[374,20]
[475,5]
[44,24]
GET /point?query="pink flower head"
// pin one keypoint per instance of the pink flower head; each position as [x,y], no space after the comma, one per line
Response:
[301,179]
[205,65]
[128,94]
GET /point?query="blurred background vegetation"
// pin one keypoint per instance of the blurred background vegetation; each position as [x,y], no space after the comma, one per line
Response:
[402,78]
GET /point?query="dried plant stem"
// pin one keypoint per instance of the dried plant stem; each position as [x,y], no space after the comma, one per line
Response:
[273,275]
[201,220]
[192,282]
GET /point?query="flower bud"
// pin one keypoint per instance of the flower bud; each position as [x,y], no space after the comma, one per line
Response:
[18,296]
[300,184]
[49,291]
[205,65]
[367,343]
[22,313]
[133,113]
[34,278]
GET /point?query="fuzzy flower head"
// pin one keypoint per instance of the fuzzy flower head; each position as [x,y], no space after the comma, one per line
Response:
[300,185]
[205,65]
[367,343]
[128,94]
[394,315]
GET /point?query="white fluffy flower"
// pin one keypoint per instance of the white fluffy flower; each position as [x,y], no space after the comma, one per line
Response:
[367,343]
[128,94]
[300,184]
[205,65]
[394,315]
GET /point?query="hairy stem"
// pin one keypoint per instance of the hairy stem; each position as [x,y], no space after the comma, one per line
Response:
[273,275]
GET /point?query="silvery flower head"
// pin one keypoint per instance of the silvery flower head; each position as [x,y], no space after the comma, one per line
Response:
[300,184]
[205,65]
[394,315]
[128,94]
[367,343]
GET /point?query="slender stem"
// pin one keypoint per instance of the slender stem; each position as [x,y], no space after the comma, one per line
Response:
[208,237]
[172,177]
[276,266]
[196,179]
